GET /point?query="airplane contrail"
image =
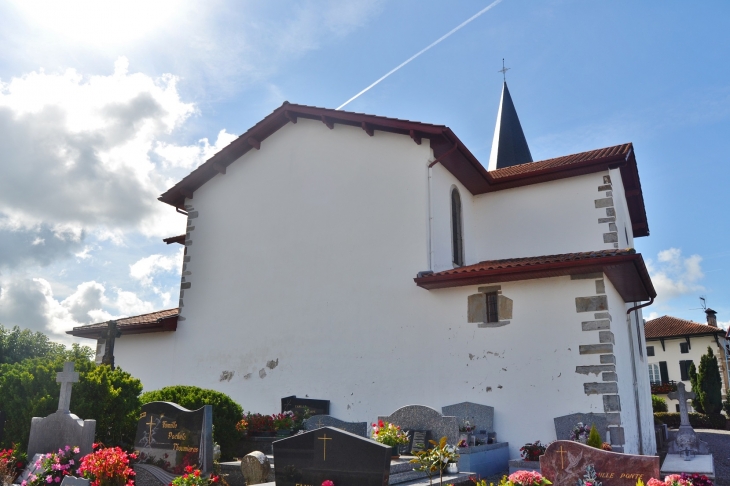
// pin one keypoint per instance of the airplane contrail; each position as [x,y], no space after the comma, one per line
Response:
[458,27]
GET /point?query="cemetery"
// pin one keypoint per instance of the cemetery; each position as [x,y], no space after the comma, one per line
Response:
[304,445]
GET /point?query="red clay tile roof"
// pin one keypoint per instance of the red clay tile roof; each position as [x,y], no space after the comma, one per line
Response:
[624,268]
[668,326]
[617,152]
[164,320]
[447,149]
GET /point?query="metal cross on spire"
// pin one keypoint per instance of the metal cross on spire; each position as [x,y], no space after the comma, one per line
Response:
[504,71]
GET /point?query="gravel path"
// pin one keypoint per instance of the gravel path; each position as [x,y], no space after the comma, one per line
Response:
[719,442]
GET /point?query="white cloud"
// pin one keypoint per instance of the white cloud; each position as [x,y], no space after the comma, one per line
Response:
[191,156]
[146,268]
[30,303]
[674,275]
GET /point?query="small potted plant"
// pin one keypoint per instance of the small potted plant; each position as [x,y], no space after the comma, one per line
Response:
[390,435]
[524,478]
[193,477]
[437,458]
[259,425]
[283,423]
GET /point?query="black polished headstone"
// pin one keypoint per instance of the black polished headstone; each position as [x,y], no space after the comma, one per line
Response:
[294,404]
[311,458]
[171,437]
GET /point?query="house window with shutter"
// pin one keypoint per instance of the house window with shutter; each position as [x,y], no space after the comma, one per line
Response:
[684,348]
[489,308]
[654,375]
[650,350]
[684,369]
[663,371]
[457,229]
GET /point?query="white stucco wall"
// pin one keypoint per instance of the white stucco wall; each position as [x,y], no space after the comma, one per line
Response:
[623,219]
[301,268]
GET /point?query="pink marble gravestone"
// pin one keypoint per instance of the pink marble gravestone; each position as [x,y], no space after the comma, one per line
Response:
[565,461]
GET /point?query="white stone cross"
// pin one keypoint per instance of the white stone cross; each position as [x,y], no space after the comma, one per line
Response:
[66,378]
[682,396]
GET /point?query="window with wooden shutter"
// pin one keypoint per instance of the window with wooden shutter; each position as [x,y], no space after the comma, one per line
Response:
[492,307]
[684,369]
[663,372]
[650,350]
[457,232]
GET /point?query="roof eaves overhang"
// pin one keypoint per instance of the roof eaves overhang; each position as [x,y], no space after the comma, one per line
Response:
[627,273]
[165,324]
[685,336]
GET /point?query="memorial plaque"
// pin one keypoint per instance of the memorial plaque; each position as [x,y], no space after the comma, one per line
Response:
[331,454]
[297,405]
[565,461]
[171,437]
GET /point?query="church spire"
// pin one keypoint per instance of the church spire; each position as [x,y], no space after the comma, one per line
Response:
[509,146]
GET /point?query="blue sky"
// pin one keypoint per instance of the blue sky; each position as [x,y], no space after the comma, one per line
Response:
[104,105]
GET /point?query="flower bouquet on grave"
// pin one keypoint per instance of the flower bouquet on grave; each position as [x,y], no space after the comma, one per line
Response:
[300,415]
[389,434]
[193,477]
[12,463]
[257,424]
[51,468]
[679,480]
[532,452]
[283,422]
[107,466]
[580,433]
[523,478]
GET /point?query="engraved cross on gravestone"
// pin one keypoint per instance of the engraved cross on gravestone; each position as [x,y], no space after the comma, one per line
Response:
[66,378]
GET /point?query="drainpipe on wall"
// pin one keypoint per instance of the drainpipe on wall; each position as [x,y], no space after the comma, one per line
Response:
[635,310]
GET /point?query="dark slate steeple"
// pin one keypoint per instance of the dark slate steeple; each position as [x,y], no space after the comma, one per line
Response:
[509,146]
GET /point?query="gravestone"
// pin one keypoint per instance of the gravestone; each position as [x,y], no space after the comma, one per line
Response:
[331,454]
[686,442]
[255,468]
[565,461]
[170,437]
[319,421]
[62,428]
[420,417]
[481,417]
[298,405]
[564,425]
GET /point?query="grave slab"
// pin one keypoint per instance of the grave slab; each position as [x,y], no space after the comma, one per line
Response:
[331,454]
[315,406]
[564,425]
[564,462]
[675,464]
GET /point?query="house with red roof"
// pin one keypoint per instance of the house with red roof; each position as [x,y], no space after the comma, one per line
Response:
[673,344]
[375,262]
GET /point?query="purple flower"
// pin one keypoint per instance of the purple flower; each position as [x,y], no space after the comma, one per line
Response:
[58,480]
[68,447]
[71,462]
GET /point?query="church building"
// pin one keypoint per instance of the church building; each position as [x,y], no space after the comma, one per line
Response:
[376,263]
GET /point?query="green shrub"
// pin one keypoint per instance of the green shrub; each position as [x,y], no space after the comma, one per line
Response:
[658,404]
[28,389]
[708,377]
[594,438]
[697,420]
[226,412]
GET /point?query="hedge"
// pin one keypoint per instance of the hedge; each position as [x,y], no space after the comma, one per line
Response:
[226,412]
[697,420]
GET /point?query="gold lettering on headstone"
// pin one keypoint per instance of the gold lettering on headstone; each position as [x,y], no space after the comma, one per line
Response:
[178,447]
[169,425]
[178,436]
[142,415]
[324,444]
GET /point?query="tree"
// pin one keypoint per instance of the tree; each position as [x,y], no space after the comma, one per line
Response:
[594,438]
[696,389]
[28,389]
[658,404]
[708,377]
[17,345]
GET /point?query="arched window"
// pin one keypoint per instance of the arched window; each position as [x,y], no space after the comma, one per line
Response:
[457,231]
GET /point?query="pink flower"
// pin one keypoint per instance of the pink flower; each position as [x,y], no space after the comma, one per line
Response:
[58,480]
[71,461]
[68,447]
[328,483]
[76,450]
[49,479]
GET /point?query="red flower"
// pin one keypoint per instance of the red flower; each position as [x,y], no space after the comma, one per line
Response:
[214,479]
[188,469]
[380,423]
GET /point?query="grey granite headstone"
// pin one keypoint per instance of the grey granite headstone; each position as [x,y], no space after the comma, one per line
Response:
[564,425]
[420,417]
[481,417]
[319,421]
[62,428]
[74,481]
[255,468]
